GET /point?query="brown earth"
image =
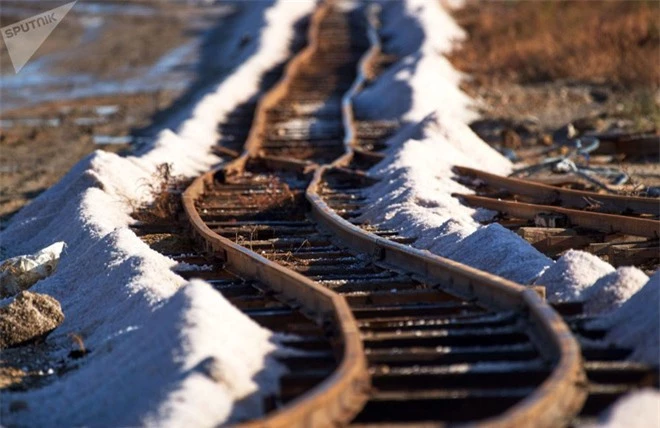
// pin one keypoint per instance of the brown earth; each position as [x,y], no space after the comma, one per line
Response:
[124,42]
[31,157]
[34,156]
[535,67]
[613,42]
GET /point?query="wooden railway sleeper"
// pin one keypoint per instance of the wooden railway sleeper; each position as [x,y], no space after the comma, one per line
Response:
[342,394]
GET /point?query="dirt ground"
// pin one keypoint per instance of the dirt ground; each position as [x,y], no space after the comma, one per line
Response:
[31,157]
[535,67]
[105,45]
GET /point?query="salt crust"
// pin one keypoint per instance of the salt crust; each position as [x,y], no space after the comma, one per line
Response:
[162,352]
[414,195]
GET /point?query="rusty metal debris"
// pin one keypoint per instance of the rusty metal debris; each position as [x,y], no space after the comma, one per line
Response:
[600,220]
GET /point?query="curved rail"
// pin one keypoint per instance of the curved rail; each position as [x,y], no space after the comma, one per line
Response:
[348,116]
[562,395]
[278,92]
[338,398]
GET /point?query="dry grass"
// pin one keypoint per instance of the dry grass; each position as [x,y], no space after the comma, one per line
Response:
[165,197]
[535,41]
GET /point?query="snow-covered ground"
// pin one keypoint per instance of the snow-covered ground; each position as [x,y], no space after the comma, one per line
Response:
[163,351]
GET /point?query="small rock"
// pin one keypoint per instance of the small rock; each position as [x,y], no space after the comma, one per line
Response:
[529,125]
[589,123]
[245,40]
[28,316]
[653,192]
[17,406]
[599,95]
[545,139]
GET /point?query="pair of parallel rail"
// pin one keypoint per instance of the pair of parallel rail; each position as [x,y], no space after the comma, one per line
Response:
[384,333]
[624,230]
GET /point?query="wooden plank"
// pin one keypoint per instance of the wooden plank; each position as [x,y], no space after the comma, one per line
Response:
[538,234]
[554,245]
[632,256]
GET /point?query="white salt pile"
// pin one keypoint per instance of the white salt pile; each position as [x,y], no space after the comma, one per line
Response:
[414,194]
[157,353]
[636,324]
[496,249]
[613,290]
[572,274]
[414,197]
[186,364]
[640,409]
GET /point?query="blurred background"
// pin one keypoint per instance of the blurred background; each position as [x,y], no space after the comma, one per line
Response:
[111,68]
[97,82]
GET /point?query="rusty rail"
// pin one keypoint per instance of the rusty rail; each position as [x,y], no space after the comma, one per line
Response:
[607,223]
[567,198]
[562,395]
[338,398]
[275,94]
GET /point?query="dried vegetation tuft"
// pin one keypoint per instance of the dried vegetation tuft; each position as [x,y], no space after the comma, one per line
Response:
[164,189]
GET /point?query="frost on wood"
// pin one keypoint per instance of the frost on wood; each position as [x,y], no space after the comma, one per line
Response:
[28,316]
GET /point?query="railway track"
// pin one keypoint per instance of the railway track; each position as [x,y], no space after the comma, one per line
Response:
[386,334]
[623,230]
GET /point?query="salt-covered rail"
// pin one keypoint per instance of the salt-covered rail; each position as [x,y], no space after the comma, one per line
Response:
[338,397]
[437,341]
